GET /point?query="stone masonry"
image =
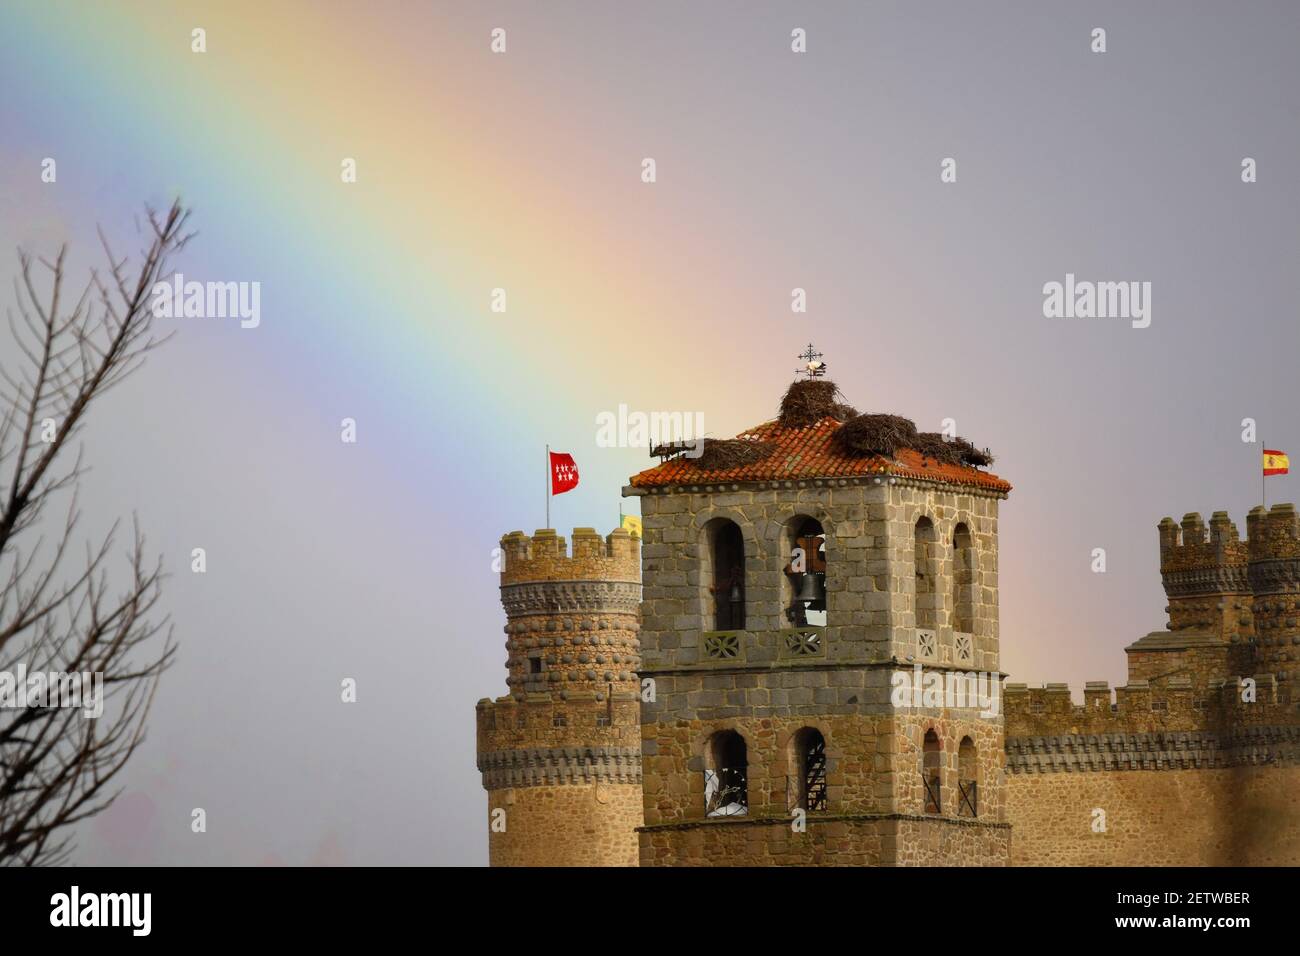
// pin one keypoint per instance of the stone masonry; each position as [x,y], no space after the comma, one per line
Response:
[705,719]
[560,753]
[1196,761]
[773,686]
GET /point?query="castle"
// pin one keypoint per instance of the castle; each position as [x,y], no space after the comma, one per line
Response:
[735,689]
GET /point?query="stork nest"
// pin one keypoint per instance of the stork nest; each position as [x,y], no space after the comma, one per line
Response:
[868,435]
[884,434]
[954,451]
[720,454]
[808,401]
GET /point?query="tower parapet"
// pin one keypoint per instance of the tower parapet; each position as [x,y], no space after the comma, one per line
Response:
[1204,571]
[560,754]
[572,621]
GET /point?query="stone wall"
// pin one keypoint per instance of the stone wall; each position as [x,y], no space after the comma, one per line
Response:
[871,580]
[1184,775]
[1195,761]
[773,679]
[1242,816]
[587,825]
[830,840]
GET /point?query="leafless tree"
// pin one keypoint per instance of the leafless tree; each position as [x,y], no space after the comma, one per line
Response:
[57,766]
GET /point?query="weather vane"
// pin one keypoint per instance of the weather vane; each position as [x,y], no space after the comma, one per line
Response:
[813,367]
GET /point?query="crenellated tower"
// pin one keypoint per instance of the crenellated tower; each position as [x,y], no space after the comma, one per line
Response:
[1204,571]
[1274,536]
[1210,606]
[1207,719]
[560,754]
[1232,603]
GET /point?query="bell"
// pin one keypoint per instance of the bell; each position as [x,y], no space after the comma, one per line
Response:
[735,593]
[811,589]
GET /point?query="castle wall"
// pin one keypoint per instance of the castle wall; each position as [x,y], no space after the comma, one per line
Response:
[1195,761]
[1242,816]
[1184,775]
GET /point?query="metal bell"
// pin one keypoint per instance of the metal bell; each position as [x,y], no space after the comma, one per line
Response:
[811,589]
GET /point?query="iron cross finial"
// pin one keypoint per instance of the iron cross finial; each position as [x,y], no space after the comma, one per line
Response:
[813,366]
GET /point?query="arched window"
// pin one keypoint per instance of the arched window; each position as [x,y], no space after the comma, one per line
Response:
[931,766]
[967,779]
[923,544]
[726,549]
[807,782]
[726,775]
[963,581]
[805,573]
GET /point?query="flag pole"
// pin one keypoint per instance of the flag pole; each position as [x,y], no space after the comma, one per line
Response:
[1263,492]
[548,486]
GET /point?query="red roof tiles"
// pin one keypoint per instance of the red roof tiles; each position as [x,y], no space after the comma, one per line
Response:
[808,453]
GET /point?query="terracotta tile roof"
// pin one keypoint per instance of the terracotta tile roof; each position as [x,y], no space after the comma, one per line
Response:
[807,453]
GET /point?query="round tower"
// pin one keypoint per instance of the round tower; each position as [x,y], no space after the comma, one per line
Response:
[1275,578]
[560,754]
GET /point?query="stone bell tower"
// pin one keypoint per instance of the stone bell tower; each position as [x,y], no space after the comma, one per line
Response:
[560,753]
[776,733]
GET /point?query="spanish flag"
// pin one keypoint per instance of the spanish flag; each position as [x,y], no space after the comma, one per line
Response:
[1276,462]
[633,524]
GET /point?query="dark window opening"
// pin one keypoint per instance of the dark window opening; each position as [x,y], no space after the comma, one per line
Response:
[559,720]
[726,781]
[923,543]
[806,574]
[534,665]
[932,762]
[809,766]
[727,551]
[963,581]
[967,779]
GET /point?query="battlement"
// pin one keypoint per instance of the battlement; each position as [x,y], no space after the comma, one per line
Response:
[1271,534]
[545,557]
[1143,707]
[1274,534]
[580,737]
[1213,578]
[558,719]
[1194,547]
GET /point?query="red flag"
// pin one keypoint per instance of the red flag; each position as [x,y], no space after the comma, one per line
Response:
[564,473]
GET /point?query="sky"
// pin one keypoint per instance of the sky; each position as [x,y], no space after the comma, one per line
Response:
[523,171]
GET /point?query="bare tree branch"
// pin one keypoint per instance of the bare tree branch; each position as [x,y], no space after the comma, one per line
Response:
[56,764]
